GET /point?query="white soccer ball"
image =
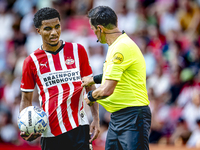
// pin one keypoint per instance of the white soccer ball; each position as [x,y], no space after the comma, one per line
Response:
[32,119]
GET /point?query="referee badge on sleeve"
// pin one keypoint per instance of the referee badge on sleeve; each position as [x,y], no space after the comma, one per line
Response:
[117,58]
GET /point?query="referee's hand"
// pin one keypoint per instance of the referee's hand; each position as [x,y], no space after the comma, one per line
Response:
[87,81]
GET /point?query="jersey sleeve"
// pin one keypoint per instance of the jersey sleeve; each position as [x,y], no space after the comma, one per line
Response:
[28,78]
[120,60]
[85,68]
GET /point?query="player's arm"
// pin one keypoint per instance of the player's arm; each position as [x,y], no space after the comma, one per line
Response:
[26,101]
[88,81]
[101,92]
[95,125]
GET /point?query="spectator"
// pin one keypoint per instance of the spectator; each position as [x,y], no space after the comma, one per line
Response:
[194,140]
[188,16]
[181,133]
[159,81]
[191,112]
[168,19]
[8,132]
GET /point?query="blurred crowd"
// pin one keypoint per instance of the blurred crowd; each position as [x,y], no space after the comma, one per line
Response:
[166,31]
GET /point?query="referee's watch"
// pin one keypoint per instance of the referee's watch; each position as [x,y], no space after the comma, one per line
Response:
[89,96]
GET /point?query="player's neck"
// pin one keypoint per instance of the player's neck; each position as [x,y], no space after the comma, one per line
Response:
[51,48]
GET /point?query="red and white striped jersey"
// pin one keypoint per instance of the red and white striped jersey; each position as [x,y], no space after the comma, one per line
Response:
[58,80]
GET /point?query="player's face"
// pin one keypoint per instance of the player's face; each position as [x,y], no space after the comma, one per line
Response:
[50,31]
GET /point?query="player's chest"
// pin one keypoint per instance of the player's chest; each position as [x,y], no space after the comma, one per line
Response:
[57,69]
[52,63]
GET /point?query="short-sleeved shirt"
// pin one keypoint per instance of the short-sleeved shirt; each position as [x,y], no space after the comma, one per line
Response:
[57,76]
[125,64]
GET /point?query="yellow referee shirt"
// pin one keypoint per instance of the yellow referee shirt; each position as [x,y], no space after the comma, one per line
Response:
[125,64]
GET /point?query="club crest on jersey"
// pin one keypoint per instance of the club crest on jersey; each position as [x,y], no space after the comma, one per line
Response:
[69,61]
[118,58]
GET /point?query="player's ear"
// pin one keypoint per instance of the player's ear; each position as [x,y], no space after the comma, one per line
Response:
[38,30]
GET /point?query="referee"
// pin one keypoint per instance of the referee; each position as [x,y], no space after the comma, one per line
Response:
[123,84]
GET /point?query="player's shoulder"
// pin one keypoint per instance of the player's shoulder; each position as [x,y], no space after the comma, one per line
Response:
[73,43]
[29,58]
[67,43]
[72,46]
[81,50]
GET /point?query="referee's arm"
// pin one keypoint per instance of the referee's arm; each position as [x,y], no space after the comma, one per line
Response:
[105,90]
[101,92]
[88,81]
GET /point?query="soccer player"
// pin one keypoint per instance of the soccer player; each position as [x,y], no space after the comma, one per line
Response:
[123,85]
[56,68]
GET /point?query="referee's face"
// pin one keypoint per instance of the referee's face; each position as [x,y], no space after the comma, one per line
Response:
[95,31]
[99,33]
[50,31]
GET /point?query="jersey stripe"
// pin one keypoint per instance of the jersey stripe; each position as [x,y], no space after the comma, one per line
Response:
[68,54]
[45,97]
[62,60]
[48,131]
[54,66]
[45,107]
[75,51]
[80,106]
[75,103]
[69,109]
[42,63]
[59,111]
[65,95]
[51,62]
[53,119]
[76,94]
[40,97]
[71,89]
[56,61]
[42,90]
[66,120]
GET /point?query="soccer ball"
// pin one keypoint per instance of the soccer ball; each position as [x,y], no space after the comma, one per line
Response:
[32,119]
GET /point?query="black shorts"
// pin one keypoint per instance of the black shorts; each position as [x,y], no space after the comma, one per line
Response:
[75,139]
[129,129]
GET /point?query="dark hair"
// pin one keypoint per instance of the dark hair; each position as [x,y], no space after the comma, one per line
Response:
[45,13]
[103,15]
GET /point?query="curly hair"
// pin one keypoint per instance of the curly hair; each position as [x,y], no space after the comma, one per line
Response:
[103,15]
[45,13]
